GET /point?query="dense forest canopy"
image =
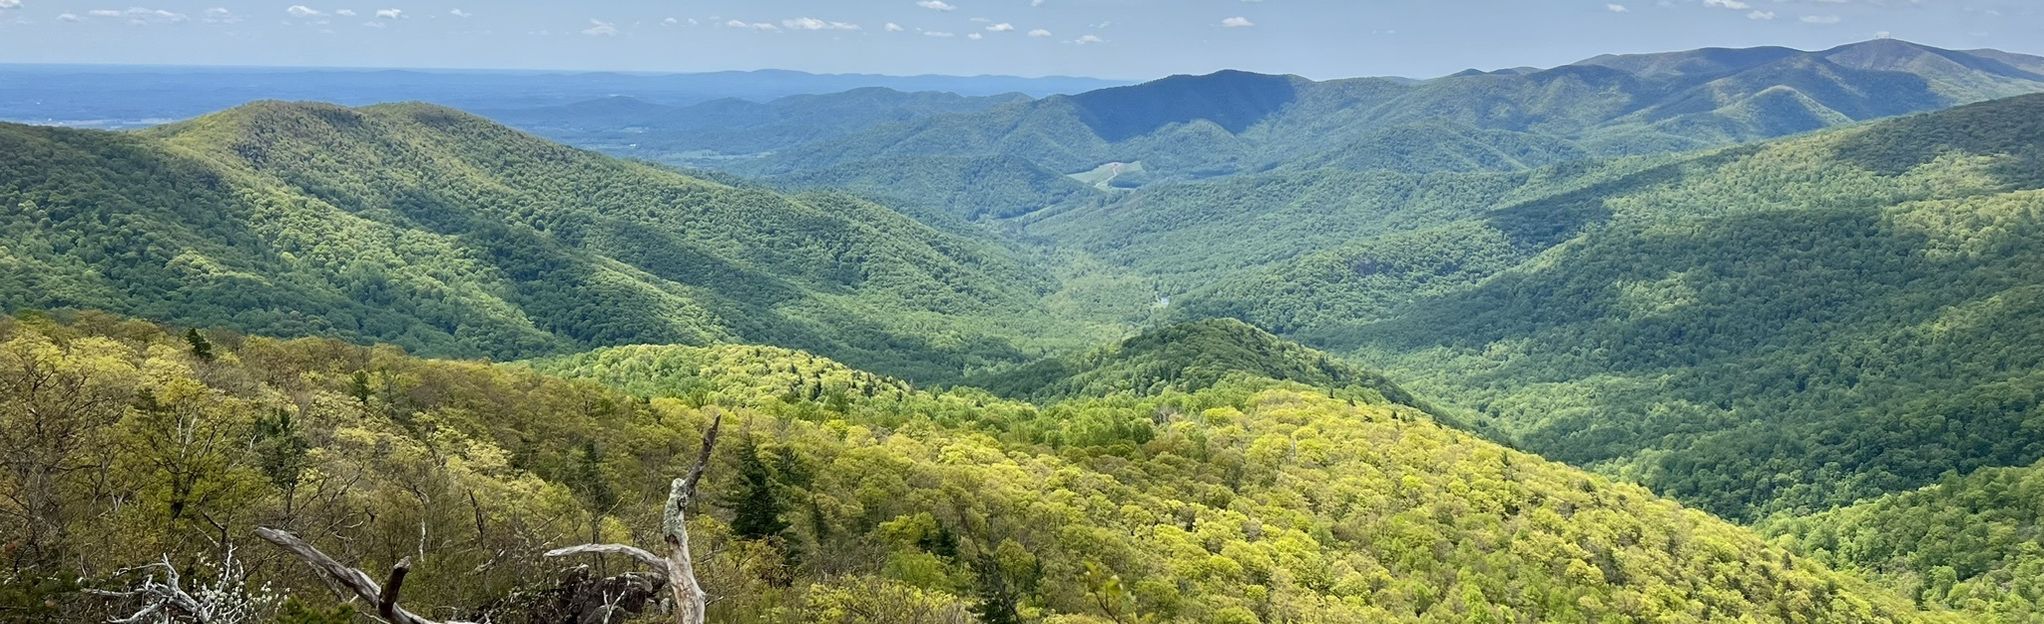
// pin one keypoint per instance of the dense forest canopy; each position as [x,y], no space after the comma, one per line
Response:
[1512,346]
[451,235]
[1251,500]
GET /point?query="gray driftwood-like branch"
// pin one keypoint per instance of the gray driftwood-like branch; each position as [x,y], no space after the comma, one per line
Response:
[657,562]
[690,603]
[355,581]
[161,599]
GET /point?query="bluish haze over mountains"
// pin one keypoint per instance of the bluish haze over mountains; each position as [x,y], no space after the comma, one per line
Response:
[1127,39]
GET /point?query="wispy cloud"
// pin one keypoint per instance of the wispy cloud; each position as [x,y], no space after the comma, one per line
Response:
[936,5]
[134,15]
[1237,22]
[600,28]
[811,23]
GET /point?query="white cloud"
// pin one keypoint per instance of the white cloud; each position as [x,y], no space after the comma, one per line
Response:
[1736,5]
[1002,27]
[1760,15]
[936,5]
[390,13]
[751,26]
[975,36]
[811,23]
[134,15]
[1617,8]
[1040,33]
[10,4]
[1237,22]
[938,33]
[67,17]
[300,10]
[1821,19]
[893,27]
[600,28]
[1089,40]
[460,13]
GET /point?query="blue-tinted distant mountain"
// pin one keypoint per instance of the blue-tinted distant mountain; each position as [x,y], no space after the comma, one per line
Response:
[135,95]
[1199,127]
[732,127]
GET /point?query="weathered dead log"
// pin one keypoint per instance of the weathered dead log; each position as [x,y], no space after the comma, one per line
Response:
[355,581]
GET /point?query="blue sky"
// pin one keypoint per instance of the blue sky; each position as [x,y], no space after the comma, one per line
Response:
[1107,38]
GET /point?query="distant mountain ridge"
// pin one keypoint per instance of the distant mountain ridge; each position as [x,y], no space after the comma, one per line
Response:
[1231,122]
[132,96]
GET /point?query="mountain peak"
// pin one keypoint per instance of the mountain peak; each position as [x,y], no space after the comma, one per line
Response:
[1232,99]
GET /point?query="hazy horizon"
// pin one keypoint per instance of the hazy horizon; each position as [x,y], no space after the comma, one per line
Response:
[200,68]
[1110,39]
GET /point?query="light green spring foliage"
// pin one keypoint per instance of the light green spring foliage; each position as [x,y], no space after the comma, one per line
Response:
[1187,357]
[1788,326]
[1973,542]
[450,235]
[1245,502]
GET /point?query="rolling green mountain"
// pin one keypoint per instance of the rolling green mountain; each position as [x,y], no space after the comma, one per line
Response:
[451,235]
[1248,501]
[1197,127]
[969,188]
[1187,357]
[1781,327]
[1973,542]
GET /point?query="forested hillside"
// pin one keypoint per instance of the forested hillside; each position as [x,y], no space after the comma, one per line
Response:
[1788,326]
[451,235]
[1973,542]
[1187,357]
[1249,501]
[1504,346]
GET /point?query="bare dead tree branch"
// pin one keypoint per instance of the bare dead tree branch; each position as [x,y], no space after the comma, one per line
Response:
[161,599]
[386,602]
[690,603]
[355,581]
[658,563]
